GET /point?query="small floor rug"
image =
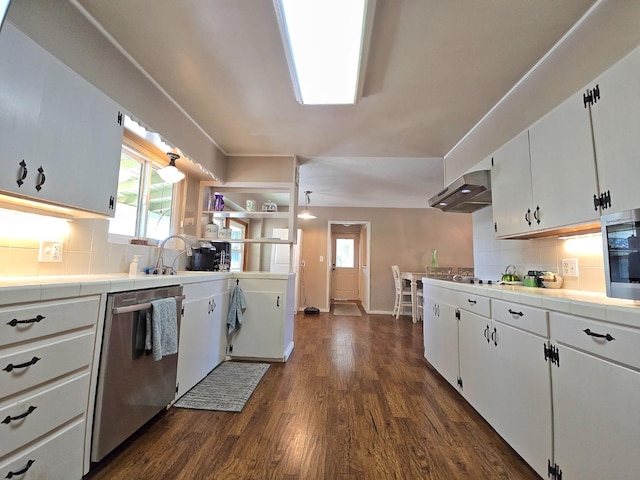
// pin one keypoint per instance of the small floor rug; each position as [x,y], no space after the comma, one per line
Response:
[350,309]
[227,388]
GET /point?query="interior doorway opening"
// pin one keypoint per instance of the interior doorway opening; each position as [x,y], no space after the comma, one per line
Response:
[348,266]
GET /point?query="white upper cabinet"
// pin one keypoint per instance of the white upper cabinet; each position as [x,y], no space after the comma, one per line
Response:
[61,136]
[563,167]
[616,121]
[511,190]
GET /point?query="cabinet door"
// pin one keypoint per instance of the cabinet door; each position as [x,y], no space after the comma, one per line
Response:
[21,91]
[521,389]
[615,118]
[441,339]
[63,128]
[596,417]
[477,363]
[511,190]
[261,333]
[563,172]
[198,344]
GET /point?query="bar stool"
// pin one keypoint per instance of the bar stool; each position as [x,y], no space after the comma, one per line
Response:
[403,294]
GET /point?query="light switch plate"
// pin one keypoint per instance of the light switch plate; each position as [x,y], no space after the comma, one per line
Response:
[50,251]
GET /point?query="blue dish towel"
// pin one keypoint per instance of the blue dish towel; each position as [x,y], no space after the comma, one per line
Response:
[162,328]
[237,305]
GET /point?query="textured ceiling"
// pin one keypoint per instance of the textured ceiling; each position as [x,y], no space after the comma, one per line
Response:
[435,69]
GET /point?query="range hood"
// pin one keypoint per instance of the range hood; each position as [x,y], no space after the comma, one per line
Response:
[469,193]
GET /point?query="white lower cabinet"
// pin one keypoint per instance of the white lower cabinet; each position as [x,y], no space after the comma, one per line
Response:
[596,387]
[58,456]
[267,328]
[203,340]
[440,334]
[46,354]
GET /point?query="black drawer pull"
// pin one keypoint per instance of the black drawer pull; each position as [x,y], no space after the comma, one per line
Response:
[513,312]
[11,366]
[21,472]
[472,302]
[607,337]
[23,173]
[15,321]
[10,419]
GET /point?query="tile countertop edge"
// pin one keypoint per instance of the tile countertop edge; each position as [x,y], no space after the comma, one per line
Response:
[15,290]
[574,302]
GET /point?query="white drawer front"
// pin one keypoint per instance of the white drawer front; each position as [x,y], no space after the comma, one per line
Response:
[20,323]
[196,291]
[474,303]
[42,412]
[44,361]
[531,319]
[613,342]
[57,457]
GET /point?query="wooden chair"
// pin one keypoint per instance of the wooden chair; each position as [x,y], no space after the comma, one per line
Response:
[403,293]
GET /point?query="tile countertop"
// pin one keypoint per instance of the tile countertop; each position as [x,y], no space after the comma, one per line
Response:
[573,302]
[32,289]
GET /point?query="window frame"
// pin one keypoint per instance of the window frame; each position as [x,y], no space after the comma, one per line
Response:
[151,157]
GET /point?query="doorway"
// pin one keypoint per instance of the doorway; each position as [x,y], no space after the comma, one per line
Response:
[348,266]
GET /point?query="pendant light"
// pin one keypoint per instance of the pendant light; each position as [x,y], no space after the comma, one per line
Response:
[170,173]
[306,214]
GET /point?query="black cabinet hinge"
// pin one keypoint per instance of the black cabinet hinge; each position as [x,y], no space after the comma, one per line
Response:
[177,387]
[231,348]
[591,96]
[112,202]
[459,382]
[120,118]
[495,227]
[182,311]
[553,471]
[552,353]
[603,201]
[458,313]
[492,162]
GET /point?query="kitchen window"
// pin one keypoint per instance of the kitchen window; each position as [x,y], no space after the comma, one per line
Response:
[145,203]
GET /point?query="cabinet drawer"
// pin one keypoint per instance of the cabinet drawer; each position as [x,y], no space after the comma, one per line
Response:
[531,319]
[42,412]
[621,344]
[20,323]
[474,303]
[196,291]
[54,358]
[57,457]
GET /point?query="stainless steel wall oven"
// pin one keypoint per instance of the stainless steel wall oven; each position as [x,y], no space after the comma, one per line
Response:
[621,243]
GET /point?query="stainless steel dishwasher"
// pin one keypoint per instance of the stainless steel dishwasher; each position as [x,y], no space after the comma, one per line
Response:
[132,386]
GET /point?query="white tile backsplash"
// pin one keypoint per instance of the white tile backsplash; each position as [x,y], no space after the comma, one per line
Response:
[491,256]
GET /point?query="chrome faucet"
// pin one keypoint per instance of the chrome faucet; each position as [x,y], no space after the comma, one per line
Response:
[160,268]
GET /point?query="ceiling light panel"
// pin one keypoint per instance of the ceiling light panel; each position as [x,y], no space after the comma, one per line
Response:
[326,43]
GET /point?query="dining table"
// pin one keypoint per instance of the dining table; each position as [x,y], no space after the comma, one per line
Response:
[415,279]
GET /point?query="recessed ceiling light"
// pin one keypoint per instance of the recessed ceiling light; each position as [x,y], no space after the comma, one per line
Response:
[326,44]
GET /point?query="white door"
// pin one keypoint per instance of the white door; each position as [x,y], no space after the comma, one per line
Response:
[615,118]
[511,188]
[345,267]
[441,339]
[477,359]
[522,395]
[563,171]
[596,422]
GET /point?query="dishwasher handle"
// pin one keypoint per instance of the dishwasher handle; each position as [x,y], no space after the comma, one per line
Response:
[138,307]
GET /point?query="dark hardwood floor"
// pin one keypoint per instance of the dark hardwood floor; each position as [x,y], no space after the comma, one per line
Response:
[356,400]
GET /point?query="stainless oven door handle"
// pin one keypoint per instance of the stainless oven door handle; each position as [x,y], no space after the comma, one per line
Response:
[139,306]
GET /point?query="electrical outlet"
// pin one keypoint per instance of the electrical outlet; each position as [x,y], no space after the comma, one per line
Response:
[569,267]
[50,251]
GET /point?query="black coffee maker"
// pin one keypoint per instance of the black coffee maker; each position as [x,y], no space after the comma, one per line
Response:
[210,257]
